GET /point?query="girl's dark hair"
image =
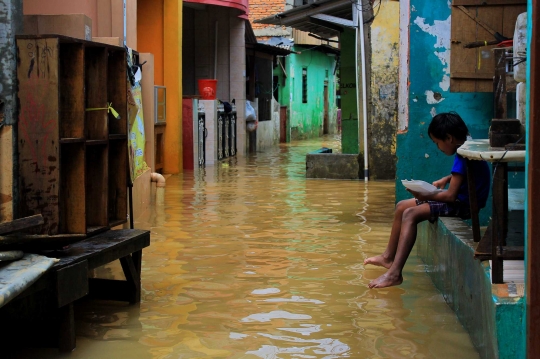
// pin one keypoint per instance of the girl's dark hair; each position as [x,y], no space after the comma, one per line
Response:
[449,123]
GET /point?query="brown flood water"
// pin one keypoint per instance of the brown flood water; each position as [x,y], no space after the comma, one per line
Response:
[251,260]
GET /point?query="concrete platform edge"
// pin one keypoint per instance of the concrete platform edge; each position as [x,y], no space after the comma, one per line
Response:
[494,323]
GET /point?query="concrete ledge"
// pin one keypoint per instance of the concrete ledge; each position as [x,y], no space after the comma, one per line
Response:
[333,166]
[492,314]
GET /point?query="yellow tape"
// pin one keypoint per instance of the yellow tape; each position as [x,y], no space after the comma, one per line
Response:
[109,108]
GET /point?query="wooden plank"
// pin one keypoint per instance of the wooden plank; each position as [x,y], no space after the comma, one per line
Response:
[116,90]
[118,172]
[133,279]
[471,183]
[104,248]
[96,186]
[472,75]
[510,15]
[37,73]
[483,250]
[477,60]
[21,223]
[71,85]
[71,283]
[512,253]
[66,329]
[499,84]
[533,192]
[500,217]
[96,123]
[72,200]
[110,289]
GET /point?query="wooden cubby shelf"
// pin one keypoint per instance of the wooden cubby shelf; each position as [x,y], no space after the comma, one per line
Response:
[73,155]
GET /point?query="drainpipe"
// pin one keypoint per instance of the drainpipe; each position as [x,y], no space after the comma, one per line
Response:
[160,187]
[360,33]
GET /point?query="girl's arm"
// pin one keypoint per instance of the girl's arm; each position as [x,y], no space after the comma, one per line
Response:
[449,195]
[442,182]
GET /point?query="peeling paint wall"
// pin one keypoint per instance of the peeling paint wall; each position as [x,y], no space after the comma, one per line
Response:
[350,141]
[429,93]
[492,314]
[384,91]
[10,24]
[306,119]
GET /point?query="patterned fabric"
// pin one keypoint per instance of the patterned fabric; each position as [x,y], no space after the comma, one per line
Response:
[443,209]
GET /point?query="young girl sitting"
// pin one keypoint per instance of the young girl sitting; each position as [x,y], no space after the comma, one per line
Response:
[448,132]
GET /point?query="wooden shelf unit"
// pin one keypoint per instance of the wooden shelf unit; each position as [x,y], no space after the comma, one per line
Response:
[73,156]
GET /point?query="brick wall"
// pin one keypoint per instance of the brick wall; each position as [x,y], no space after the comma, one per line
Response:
[264,8]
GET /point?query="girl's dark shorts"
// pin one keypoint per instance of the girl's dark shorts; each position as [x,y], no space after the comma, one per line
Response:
[443,209]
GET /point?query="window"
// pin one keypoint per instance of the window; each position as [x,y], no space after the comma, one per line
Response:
[304,85]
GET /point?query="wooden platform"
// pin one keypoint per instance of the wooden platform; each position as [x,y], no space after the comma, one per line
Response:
[45,310]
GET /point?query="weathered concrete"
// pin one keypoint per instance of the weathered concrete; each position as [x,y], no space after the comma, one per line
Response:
[494,320]
[333,166]
[10,24]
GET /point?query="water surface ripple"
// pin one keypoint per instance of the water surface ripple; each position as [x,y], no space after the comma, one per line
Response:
[251,260]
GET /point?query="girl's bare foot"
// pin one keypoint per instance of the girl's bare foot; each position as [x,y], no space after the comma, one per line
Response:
[379,261]
[386,280]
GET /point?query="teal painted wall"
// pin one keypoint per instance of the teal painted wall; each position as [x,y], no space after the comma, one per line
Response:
[349,113]
[306,119]
[494,322]
[429,69]
[529,38]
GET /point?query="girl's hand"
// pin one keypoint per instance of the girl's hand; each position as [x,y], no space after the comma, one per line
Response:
[418,196]
[440,184]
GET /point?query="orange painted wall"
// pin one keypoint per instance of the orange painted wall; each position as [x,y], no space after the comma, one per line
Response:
[150,33]
[172,78]
[53,7]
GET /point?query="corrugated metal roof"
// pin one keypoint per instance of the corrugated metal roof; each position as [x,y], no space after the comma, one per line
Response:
[308,17]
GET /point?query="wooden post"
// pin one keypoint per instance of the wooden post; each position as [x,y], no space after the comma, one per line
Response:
[533,189]
[473,202]
[498,233]
[499,84]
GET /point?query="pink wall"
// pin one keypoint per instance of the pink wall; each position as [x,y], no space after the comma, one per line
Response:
[53,7]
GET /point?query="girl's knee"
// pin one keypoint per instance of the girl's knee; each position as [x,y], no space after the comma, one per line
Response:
[402,205]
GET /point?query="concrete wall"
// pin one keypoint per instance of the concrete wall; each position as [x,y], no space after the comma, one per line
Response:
[306,119]
[107,15]
[350,141]
[199,57]
[384,80]
[425,91]
[492,314]
[268,131]
[10,25]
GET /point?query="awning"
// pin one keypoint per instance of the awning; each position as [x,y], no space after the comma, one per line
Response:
[325,18]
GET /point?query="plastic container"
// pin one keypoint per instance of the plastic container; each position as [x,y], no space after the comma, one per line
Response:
[207,89]
[520,48]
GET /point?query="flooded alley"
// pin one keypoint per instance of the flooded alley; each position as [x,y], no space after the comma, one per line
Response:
[248,259]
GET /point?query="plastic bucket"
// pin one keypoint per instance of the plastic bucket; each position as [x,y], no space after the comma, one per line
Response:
[207,89]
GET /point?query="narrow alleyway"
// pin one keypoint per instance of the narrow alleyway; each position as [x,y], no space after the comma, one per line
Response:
[251,260]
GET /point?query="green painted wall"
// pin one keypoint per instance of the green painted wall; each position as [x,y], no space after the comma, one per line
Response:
[306,119]
[349,113]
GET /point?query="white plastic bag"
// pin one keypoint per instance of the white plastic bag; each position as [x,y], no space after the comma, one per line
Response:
[250,112]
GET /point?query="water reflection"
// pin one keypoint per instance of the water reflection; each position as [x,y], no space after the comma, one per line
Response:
[251,260]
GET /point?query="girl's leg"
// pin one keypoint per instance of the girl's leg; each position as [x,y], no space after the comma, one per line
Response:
[407,238]
[386,259]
